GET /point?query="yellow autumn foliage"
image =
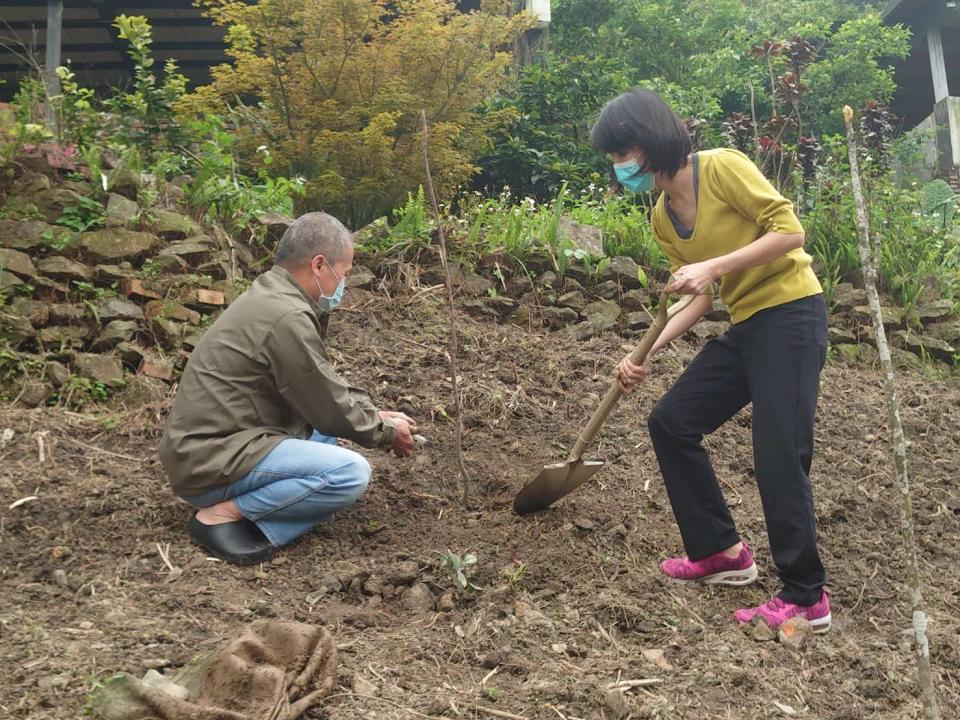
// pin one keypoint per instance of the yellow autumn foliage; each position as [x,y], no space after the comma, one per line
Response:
[334,88]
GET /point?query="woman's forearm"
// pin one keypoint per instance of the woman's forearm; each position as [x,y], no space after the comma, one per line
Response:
[765,248]
[683,321]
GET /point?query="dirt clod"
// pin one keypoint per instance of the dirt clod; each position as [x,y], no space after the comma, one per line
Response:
[794,633]
[615,701]
[446,603]
[760,631]
[362,686]
[417,598]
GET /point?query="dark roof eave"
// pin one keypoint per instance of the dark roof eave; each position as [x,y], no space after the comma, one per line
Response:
[910,12]
[891,8]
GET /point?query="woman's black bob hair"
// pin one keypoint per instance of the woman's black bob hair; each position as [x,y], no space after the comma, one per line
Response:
[640,119]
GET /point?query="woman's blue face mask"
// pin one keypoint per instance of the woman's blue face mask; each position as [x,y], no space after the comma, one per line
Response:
[629,175]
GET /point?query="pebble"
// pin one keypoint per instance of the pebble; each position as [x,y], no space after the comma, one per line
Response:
[584,523]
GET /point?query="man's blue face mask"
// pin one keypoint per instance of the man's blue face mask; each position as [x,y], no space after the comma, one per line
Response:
[330,303]
[629,175]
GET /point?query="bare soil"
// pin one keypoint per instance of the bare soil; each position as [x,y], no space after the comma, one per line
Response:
[570,600]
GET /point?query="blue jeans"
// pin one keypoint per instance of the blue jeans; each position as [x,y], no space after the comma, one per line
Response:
[298,484]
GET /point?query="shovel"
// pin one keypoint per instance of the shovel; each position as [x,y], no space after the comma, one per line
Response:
[555,481]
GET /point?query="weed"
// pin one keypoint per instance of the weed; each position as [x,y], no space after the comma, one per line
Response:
[150,269]
[93,292]
[515,577]
[96,685]
[80,392]
[58,241]
[86,215]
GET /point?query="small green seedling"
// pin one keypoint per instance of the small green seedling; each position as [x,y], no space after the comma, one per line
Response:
[458,568]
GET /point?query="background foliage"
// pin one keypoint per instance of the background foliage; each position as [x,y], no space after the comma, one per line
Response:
[320,110]
[334,89]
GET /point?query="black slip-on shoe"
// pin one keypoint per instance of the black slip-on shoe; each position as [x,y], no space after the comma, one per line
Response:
[239,542]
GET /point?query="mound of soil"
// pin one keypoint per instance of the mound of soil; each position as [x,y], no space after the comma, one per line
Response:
[572,619]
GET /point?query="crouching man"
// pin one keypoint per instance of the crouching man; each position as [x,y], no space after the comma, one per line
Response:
[251,439]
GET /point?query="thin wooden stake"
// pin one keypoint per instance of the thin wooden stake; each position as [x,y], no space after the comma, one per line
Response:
[448,282]
[928,693]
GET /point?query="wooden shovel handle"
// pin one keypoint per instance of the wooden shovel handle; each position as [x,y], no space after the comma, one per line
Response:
[637,357]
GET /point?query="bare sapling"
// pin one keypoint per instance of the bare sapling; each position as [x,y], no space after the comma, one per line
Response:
[453,342]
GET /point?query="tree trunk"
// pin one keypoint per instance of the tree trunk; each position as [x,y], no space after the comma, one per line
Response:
[928,693]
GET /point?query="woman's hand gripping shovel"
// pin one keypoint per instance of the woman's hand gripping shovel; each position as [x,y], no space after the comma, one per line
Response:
[555,481]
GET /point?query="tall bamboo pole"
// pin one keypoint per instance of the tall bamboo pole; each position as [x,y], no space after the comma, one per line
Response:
[928,693]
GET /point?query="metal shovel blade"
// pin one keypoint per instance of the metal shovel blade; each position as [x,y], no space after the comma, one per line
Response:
[553,482]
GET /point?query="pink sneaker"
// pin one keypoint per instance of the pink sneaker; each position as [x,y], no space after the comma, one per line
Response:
[775,612]
[716,569]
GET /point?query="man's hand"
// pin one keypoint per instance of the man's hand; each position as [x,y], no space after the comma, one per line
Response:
[393,415]
[403,442]
[629,375]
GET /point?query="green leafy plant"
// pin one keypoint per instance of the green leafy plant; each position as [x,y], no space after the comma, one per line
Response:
[80,392]
[14,365]
[58,240]
[219,186]
[146,112]
[411,223]
[459,569]
[87,214]
[96,686]
[540,143]
[150,269]
[94,292]
[78,116]
[939,199]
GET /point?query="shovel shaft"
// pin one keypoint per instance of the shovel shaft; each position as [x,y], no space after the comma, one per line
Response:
[637,357]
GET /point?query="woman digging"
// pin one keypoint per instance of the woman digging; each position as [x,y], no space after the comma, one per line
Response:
[718,219]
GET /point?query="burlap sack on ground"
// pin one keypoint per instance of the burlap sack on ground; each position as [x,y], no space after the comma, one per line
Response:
[272,671]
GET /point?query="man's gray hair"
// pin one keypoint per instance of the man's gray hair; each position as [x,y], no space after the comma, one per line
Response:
[310,235]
